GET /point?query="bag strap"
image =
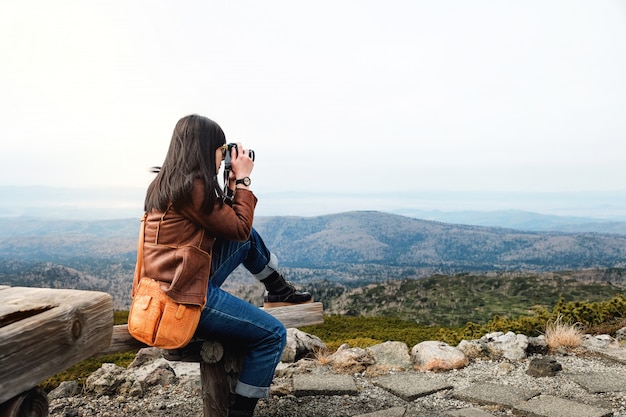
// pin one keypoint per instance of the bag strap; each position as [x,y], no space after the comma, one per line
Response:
[139,264]
[158,229]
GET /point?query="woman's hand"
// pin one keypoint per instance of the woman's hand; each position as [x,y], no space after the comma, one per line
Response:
[241,164]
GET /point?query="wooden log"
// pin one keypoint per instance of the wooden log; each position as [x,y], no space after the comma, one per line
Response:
[298,315]
[32,403]
[291,316]
[45,331]
[219,373]
[121,341]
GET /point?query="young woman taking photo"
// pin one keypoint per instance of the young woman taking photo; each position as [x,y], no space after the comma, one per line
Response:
[186,207]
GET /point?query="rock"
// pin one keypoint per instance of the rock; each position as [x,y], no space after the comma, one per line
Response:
[509,346]
[601,341]
[64,390]
[162,375]
[145,356]
[621,334]
[540,367]
[135,390]
[351,359]
[436,356]
[107,379]
[394,355]
[474,349]
[181,395]
[300,345]
[537,345]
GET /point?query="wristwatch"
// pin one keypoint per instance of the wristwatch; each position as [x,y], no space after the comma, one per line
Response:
[245,181]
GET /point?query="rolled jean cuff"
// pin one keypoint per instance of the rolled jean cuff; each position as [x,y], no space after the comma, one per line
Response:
[271,266]
[251,391]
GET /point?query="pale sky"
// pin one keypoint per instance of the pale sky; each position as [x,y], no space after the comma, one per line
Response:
[345,96]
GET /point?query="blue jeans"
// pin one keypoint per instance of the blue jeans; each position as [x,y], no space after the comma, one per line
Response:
[235,321]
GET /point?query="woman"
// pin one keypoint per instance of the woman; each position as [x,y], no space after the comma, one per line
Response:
[187,209]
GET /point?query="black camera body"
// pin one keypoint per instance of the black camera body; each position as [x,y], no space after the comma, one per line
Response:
[227,163]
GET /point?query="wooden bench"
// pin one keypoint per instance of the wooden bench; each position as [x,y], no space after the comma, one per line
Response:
[42,332]
[45,331]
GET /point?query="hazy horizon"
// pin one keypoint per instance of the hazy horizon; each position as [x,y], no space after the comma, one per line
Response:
[118,202]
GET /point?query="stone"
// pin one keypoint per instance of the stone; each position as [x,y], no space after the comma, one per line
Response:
[540,367]
[351,359]
[394,355]
[106,380]
[145,356]
[390,412]
[489,393]
[601,341]
[323,384]
[550,406]
[300,345]
[597,382]
[411,385]
[474,349]
[64,390]
[509,346]
[537,346]
[621,334]
[162,375]
[437,356]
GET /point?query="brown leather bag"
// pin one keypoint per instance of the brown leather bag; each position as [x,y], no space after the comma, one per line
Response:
[154,318]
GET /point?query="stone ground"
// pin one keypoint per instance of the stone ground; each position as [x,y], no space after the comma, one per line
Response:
[590,384]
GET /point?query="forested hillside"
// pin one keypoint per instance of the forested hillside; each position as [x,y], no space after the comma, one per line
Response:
[348,249]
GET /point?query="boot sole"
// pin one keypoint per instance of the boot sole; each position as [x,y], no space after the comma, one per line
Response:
[284,304]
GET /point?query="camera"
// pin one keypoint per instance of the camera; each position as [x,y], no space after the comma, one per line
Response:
[227,164]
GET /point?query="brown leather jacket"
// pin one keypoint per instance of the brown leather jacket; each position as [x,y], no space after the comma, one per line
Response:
[178,244]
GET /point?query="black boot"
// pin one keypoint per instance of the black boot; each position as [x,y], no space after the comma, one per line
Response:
[282,293]
[242,406]
[189,353]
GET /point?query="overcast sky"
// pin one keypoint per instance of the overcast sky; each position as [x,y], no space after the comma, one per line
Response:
[345,96]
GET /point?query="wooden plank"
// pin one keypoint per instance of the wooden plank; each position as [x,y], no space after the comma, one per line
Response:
[55,329]
[291,316]
[121,341]
[299,315]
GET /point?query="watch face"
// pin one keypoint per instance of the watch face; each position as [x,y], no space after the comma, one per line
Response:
[246,181]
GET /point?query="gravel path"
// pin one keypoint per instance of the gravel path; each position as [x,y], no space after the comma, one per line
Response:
[184,399]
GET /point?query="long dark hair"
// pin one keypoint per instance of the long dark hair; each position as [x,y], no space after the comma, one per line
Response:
[191,155]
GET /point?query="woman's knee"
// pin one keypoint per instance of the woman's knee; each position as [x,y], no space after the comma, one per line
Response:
[282,335]
[277,336]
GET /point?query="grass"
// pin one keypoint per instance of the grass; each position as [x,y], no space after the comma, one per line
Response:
[560,334]
[83,369]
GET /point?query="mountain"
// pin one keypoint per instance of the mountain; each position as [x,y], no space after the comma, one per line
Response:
[388,239]
[521,220]
[352,248]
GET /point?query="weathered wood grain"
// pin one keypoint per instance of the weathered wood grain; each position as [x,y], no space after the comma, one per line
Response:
[299,315]
[45,331]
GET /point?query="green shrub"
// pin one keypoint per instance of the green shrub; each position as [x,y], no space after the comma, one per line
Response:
[337,330]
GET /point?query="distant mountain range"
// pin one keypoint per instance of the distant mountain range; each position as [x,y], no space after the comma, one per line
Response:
[521,220]
[388,239]
[352,248]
